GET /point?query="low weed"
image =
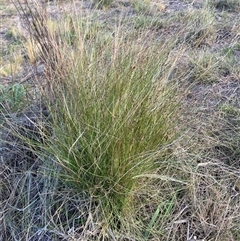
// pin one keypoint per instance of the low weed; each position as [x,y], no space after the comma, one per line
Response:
[12,97]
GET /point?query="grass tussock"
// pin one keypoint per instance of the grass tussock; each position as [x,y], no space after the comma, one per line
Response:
[111,126]
[113,113]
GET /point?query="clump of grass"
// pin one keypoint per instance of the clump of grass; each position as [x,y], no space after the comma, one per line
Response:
[32,50]
[141,6]
[230,60]
[12,65]
[111,123]
[144,22]
[12,97]
[113,114]
[11,58]
[102,3]
[198,26]
[204,67]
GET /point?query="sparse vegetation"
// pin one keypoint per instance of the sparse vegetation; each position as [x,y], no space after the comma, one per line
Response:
[12,97]
[225,5]
[102,3]
[132,128]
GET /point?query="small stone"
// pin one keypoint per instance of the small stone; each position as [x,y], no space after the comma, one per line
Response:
[40,69]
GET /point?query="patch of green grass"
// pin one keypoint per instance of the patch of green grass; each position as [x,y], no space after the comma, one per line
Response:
[14,36]
[162,212]
[111,123]
[147,22]
[11,64]
[237,46]
[228,52]
[141,6]
[231,113]
[102,3]
[230,61]
[12,97]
